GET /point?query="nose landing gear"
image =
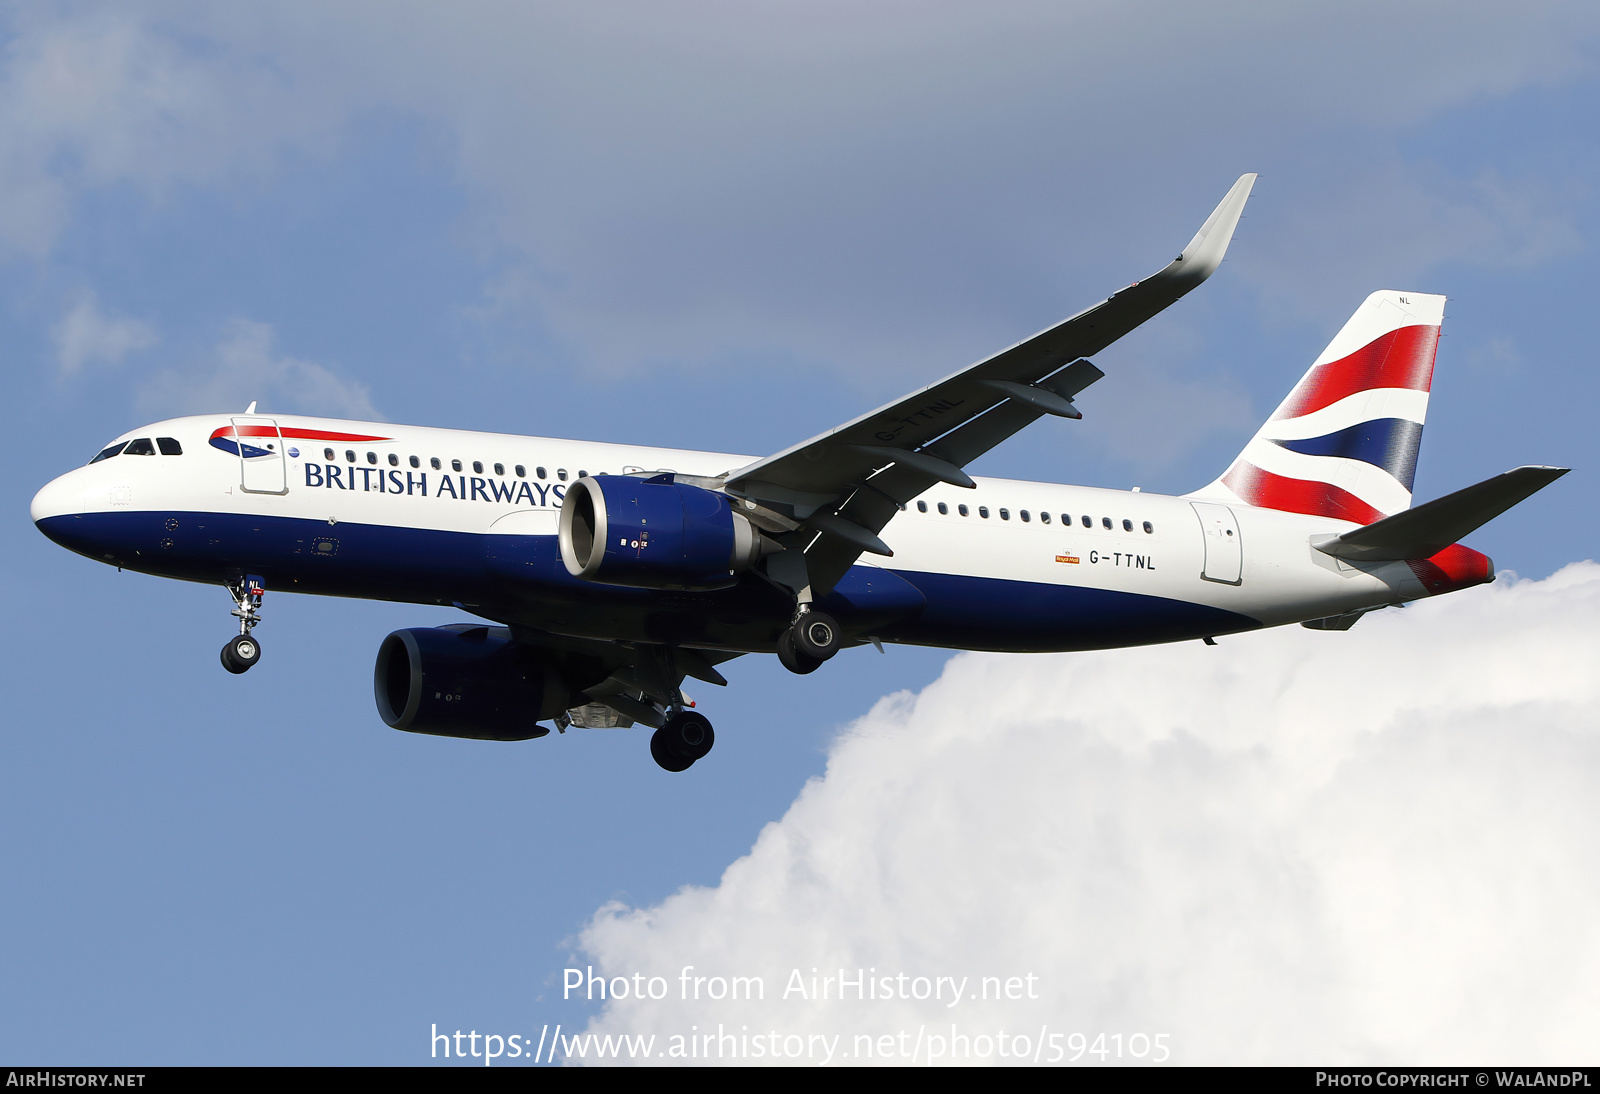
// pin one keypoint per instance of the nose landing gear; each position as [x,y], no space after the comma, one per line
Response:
[243,651]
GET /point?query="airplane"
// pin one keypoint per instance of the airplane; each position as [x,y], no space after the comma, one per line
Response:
[607,574]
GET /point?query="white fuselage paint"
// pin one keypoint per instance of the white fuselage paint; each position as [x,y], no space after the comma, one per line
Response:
[1283,579]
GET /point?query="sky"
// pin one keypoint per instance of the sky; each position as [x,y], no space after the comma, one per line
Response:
[732,226]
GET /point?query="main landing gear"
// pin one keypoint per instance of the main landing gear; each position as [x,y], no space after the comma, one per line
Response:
[809,641]
[682,739]
[243,651]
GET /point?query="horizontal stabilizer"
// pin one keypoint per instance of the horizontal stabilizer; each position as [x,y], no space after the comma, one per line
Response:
[1427,529]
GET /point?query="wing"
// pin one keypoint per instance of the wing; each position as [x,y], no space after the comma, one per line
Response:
[828,498]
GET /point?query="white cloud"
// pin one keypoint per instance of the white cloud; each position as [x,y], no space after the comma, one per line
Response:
[86,335]
[1373,847]
[247,369]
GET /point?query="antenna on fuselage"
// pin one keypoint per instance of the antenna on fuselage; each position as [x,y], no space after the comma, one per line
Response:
[251,409]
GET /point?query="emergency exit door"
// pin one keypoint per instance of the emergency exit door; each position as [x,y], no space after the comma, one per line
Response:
[263,468]
[1224,551]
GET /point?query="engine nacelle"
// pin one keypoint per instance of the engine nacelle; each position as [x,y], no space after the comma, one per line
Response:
[465,680]
[655,534]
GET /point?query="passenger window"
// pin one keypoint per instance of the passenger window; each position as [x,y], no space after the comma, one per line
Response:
[140,447]
[1127,526]
[1107,522]
[540,472]
[1149,529]
[1005,514]
[169,446]
[1025,517]
[983,511]
[1088,521]
[107,453]
[1044,518]
[944,510]
[328,454]
[415,462]
[455,465]
[350,454]
[394,460]
[922,507]
[372,457]
[499,469]
[477,467]
[962,509]
[585,474]
[561,473]
[522,472]
[433,462]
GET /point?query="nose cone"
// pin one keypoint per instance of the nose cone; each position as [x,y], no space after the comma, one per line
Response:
[58,510]
[60,497]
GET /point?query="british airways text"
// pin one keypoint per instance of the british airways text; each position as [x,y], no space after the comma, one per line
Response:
[460,487]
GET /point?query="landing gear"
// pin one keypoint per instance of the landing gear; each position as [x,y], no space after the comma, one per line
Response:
[685,737]
[792,659]
[240,653]
[811,640]
[243,651]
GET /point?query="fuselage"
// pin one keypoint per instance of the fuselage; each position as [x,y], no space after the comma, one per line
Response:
[435,516]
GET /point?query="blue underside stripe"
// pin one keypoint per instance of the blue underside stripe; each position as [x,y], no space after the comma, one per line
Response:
[521,578]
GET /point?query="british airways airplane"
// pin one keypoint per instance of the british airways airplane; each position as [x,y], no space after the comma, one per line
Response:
[613,572]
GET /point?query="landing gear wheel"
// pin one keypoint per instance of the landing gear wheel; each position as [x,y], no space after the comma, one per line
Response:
[792,659]
[662,752]
[240,654]
[816,635]
[688,733]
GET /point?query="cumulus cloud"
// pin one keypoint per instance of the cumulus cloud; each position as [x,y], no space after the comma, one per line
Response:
[86,335]
[1296,847]
[247,369]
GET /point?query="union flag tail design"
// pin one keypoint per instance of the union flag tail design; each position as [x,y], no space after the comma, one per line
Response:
[1344,443]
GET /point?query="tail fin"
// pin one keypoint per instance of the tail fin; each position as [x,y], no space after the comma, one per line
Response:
[1344,443]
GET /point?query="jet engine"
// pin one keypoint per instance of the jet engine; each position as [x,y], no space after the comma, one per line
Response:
[465,680]
[655,534]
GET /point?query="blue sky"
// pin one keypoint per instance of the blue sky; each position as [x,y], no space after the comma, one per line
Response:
[715,226]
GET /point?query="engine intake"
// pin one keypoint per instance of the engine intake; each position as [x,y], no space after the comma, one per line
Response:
[465,680]
[655,534]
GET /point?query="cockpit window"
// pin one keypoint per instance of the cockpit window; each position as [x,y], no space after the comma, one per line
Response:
[169,446]
[107,453]
[140,447]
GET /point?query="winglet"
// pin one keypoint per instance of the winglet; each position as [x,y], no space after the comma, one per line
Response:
[1203,254]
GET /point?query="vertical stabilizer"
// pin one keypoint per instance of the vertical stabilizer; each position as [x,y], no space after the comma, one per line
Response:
[1344,443]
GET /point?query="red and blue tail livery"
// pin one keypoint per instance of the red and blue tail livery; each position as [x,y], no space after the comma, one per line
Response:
[1344,443]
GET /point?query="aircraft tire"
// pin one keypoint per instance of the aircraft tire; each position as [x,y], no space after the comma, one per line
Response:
[816,635]
[792,659]
[240,654]
[689,734]
[664,754]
